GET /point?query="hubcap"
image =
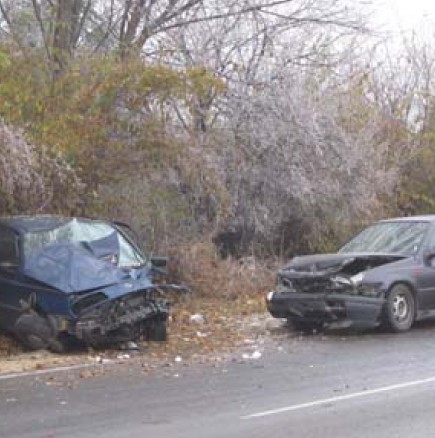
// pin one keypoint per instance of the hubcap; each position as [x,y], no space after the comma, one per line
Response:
[400,307]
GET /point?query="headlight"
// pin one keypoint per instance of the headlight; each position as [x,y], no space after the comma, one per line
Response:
[269,296]
[370,290]
[284,284]
[357,279]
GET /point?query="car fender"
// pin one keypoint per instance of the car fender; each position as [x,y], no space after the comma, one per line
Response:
[389,275]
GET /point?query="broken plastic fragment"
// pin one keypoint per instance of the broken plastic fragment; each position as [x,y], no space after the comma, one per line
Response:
[201,334]
[248,341]
[123,356]
[256,355]
[197,319]
[130,345]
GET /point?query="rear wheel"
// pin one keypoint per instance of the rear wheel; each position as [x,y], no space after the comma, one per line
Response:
[400,308]
[60,344]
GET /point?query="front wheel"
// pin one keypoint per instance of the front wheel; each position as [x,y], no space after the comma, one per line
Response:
[35,333]
[400,308]
[301,325]
[157,331]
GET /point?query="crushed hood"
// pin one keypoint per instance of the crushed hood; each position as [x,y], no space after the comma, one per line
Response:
[74,267]
[320,265]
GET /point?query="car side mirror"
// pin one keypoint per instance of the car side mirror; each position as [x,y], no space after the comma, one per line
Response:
[158,267]
[159,262]
[429,257]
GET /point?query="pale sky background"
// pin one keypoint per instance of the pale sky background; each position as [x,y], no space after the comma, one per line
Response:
[406,14]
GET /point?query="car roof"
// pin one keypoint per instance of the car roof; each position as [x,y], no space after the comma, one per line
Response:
[421,218]
[35,223]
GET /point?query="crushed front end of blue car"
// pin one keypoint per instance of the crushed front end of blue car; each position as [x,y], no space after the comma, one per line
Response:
[79,280]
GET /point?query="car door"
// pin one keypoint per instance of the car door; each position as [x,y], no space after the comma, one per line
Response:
[425,275]
[10,288]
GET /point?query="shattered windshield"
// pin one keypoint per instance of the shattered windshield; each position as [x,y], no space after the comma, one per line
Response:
[402,238]
[99,239]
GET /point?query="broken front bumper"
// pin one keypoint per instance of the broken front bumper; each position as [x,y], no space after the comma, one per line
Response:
[333,309]
[120,321]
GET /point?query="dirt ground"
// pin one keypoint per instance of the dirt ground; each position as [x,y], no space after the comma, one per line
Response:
[199,330]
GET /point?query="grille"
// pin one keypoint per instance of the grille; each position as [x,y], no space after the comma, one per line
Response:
[318,285]
[88,301]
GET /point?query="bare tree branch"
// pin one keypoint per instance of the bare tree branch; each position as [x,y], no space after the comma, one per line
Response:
[109,27]
[8,20]
[37,12]
[81,23]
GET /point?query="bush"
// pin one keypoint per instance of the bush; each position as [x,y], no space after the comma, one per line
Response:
[32,179]
[201,267]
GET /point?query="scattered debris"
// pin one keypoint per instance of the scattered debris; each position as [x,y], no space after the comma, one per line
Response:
[248,341]
[231,330]
[129,346]
[255,355]
[197,319]
[102,360]
[123,356]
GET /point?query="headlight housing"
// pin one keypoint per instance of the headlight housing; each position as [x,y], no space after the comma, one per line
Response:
[284,284]
[355,285]
[357,279]
[370,289]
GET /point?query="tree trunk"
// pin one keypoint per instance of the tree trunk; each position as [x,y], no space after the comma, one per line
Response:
[67,19]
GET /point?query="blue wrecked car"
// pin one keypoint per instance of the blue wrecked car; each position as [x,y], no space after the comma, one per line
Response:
[65,279]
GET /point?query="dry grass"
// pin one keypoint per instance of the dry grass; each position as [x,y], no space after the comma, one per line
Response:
[8,346]
[210,276]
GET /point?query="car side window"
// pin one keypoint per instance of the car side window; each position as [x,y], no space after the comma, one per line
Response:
[431,239]
[9,253]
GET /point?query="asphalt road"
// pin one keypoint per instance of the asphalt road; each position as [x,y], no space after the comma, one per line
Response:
[370,385]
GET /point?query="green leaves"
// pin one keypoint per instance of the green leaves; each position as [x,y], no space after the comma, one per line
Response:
[4,60]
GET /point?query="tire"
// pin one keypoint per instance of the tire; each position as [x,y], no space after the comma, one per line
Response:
[58,345]
[301,325]
[157,331]
[400,308]
[31,342]
[35,333]
[32,331]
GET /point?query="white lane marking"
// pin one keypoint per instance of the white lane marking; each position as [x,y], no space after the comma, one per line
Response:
[46,371]
[339,398]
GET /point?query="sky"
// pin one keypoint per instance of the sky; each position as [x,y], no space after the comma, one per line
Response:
[406,15]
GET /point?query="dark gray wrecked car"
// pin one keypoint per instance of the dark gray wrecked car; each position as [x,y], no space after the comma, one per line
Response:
[64,279]
[384,275]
